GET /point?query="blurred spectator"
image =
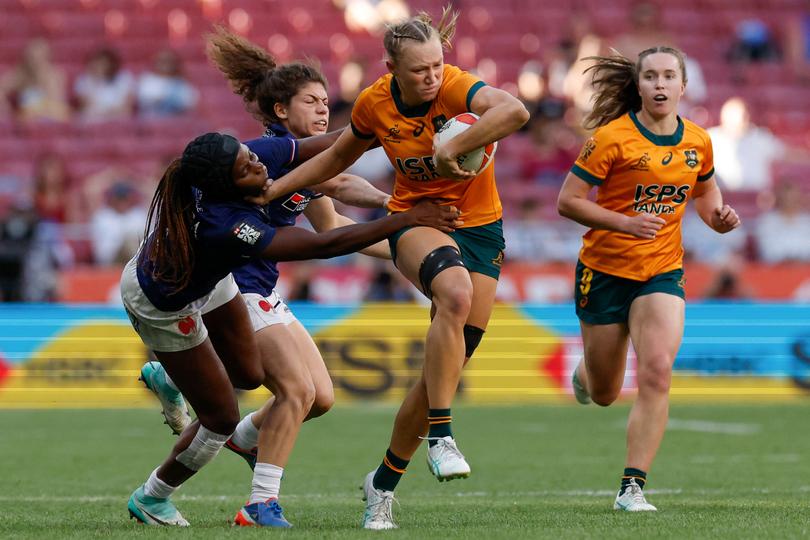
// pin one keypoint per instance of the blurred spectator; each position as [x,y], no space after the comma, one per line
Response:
[97,187]
[105,90]
[529,238]
[727,282]
[566,67]
[164,91]
[55,198]
[783,234]
[116,229]
[703,244]
[753,42]
[578,41]
[554,147]
[388,285]
[27,264]
[35,89]
[743,152]
[797,45]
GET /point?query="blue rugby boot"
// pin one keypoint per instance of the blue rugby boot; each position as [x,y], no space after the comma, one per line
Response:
[154,511]
[175,410]
[262,514]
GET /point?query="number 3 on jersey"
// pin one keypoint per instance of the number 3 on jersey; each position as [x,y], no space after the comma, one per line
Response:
[585,281]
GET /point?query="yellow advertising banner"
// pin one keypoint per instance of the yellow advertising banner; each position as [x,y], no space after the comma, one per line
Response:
[375,352]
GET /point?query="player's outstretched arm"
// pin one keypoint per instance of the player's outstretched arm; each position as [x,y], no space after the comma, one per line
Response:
[296,244]
[353,190]
[323,216]
[323,166]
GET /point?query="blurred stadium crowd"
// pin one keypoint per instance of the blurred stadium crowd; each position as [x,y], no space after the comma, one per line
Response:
[97,96]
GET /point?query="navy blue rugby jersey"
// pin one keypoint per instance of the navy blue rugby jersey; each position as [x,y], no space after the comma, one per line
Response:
[261,275]
[226,235]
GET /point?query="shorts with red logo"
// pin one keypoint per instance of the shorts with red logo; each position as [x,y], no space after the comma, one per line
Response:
[171,331]
[267,310]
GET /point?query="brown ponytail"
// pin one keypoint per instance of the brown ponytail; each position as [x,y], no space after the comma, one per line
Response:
[171,212]
[615,79]
[253,73]
[243,63]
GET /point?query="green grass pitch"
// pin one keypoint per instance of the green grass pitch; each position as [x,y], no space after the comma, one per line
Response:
[539,471]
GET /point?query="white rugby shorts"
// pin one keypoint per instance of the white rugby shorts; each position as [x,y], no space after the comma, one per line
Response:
[171,331]
[267,310]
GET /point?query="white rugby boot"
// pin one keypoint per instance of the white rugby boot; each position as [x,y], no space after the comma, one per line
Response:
[632,500]
[378,515]
[445,460]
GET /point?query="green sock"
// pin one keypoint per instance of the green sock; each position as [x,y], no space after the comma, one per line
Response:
[440,421]
[389,472]
[633,474]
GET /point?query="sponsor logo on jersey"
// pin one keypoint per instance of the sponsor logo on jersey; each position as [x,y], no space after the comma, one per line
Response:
[417,169]
[643,163]
[393,135]
[691,158]
[667,159]
[659,198]
[419,129]
[297,202]
[587,150]
[246,233]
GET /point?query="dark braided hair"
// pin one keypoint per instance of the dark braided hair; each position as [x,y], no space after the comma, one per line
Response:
[254,75]
[207,163]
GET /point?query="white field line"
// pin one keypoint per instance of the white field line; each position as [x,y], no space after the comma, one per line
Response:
[746,458]
[705,426]
[342,496]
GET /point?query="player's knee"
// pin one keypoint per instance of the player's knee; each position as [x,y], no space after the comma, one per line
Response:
[298,394]
[655,375]
[472,338]
[322,403]
[605,397]
[248,378]
[222,421]
[434,263]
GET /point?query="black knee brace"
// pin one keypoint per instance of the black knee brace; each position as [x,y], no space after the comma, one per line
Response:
[437,260]
[472,337]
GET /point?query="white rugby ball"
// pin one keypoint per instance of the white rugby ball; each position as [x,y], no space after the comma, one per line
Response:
[475,160]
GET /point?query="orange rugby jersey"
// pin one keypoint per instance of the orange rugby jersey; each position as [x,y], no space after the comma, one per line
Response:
[406,134]
[637,171]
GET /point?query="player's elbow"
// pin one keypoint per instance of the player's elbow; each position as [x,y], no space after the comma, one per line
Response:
[520,114]
[564,206]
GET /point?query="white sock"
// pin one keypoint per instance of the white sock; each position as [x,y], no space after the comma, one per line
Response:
[266,482]
[155,487]
[246,435]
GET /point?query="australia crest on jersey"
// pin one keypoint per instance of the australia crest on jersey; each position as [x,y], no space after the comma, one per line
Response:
[297,202]
[691,158]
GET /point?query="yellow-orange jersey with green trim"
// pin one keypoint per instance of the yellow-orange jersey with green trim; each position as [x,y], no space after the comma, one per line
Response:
[636,171]
[406,134]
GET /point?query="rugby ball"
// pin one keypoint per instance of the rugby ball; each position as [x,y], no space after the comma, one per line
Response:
[475,160]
